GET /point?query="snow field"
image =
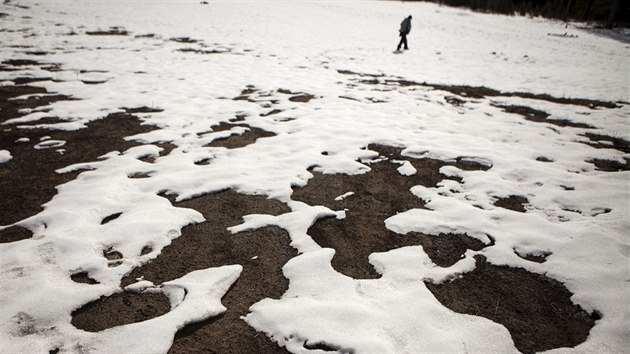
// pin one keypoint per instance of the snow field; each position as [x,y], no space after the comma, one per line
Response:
[300,47]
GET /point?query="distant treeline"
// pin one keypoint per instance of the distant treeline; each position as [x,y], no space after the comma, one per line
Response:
[606,12]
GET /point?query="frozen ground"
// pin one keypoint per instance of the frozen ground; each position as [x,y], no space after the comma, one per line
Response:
[322,77]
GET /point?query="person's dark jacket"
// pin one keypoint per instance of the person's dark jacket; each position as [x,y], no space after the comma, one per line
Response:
[405,26]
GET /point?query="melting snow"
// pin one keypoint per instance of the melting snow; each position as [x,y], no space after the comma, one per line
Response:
[47,144]
[333,51]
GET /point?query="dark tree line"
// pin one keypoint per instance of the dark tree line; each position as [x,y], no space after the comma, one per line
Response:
[606,12]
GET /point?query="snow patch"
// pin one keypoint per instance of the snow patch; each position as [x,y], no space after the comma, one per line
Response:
[344,196]
[5,156]
[406,168]
[48,144]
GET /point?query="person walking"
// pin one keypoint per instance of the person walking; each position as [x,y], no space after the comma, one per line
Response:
[405,28]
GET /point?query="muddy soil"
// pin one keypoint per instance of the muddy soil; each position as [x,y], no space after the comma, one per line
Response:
[236,141]
[475,92]
[124,308]
[601,141]
[538,116]
[611,165]
[513,202]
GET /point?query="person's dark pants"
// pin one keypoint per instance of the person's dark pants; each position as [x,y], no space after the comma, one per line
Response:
[403,40]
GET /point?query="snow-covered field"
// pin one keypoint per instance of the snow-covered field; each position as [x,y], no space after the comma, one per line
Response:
[576,213]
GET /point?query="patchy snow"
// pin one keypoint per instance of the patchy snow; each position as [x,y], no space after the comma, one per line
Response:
[406,168]
[5,156]
[194,297]
[307,46]
[344,196]
[389,315]
[47,144]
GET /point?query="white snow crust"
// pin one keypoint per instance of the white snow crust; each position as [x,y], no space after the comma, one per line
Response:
[577,214]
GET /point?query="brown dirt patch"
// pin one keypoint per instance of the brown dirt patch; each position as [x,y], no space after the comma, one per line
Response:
[9,107]
[539,116]
[147,35]
[270,113]
[379,194]
[349,98]
[513,202]
[262,253]
[454,101]
[142,109]
[460,90]
[112,31]
[536,310]
[202,51]
[610,165]
[7,68]
[236,141]
[38,52]
[245,93]
[14,233]
[93,82]
[123,308]
[83,277]
[184,40]
[303,98]
[593,104]
[21,62]
[26,80]
[475,91]
[265,100]
[356,237]
[348,72]
[601,141]
[110,218]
